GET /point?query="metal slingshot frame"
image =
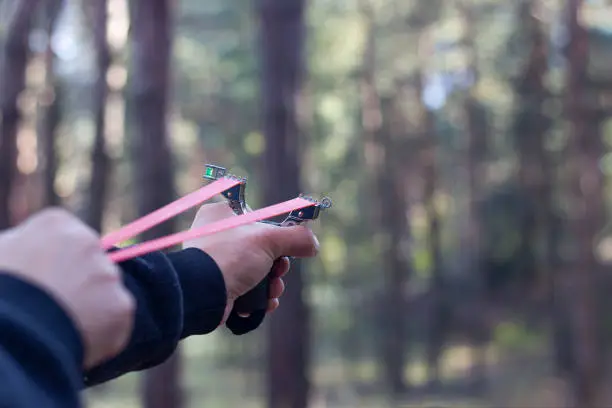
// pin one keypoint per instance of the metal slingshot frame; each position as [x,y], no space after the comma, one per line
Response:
[236,199]
[250,309]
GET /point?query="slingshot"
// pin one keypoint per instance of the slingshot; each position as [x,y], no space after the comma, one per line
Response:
[250,309]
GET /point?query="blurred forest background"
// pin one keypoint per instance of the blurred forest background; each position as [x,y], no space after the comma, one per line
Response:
[466,145]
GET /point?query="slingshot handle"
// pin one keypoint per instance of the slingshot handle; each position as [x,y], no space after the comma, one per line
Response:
[250,309]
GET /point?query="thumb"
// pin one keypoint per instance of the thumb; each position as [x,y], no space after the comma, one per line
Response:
[297,241]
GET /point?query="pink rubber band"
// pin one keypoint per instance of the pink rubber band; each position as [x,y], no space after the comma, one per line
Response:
[218,226]
[168,211]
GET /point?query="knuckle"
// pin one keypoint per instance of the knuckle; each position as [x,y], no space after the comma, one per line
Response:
[118,343]
[265,240]
[54,215]
[128,303]
[68,224]
[306,239]
[88,232]
[125,305]
[85,231]
[107,274]
[87,237]
[111,271]
[91,240]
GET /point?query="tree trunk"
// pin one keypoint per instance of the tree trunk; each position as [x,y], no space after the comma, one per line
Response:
[153,162]
[429,167]
[282,46]
[585,218]
[535,168]
[477,132]
[50,111]
[15,53]
[396,264]
[536,178]
[100,171]
[389,221]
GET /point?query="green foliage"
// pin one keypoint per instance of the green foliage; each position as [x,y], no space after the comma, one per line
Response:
[516,336]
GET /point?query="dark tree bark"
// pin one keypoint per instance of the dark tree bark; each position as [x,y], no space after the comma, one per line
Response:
[438,316]
[389,221]
[396,263]
[536,178]
[282,35]
[530,130]
[50,111]
[585,218]
[397,250]
[15,54]
[151,23]
[476,127]
[100,171]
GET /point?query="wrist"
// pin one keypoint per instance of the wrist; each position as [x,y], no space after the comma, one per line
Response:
[203,288]
[224,269]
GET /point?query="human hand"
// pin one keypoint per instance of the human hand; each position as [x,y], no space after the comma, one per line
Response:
[247,254]
[61,255]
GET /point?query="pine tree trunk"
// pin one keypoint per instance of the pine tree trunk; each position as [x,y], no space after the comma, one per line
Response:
[152,156]
[477,132]
[50,111]
[429,167]
[101,163]
[389,222]
[13,62]
[585,181]
[282,35]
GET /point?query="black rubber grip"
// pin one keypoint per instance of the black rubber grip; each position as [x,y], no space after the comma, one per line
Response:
[254,303]
[242,325]
[256,299]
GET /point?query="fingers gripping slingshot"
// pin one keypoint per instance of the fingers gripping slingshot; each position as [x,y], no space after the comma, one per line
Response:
[254,304]
[250,309]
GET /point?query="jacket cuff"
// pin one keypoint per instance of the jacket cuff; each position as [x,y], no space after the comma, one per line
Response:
[204,291]
[27,303]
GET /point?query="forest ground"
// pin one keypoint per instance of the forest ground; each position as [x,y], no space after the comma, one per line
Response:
[519,377]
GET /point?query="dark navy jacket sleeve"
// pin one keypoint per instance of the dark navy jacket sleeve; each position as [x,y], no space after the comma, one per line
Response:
[41,353]
[177,295]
